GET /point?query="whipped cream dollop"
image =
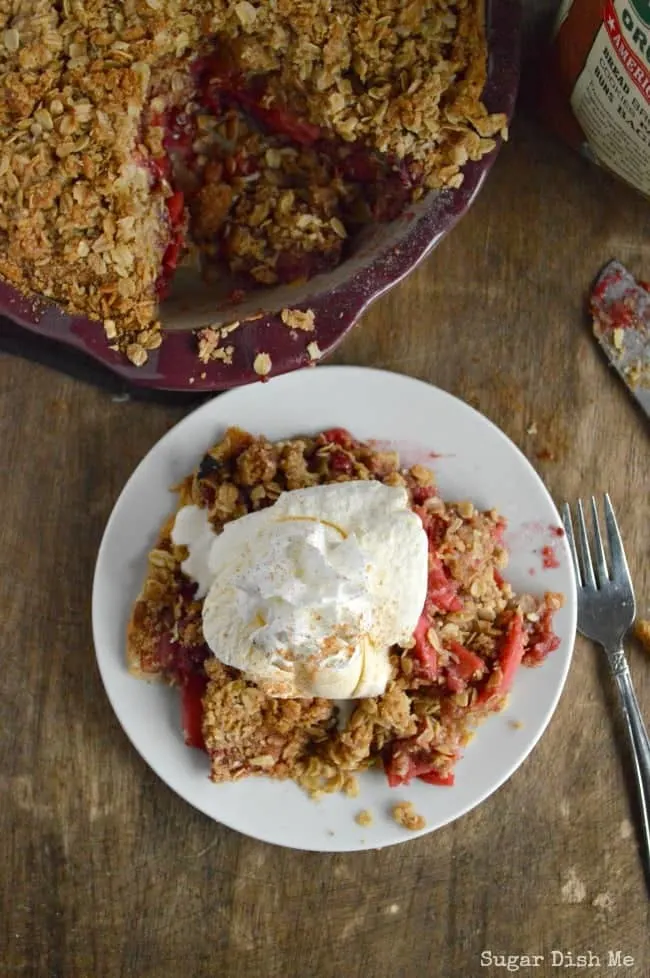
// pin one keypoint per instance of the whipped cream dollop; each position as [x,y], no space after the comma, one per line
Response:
[307,597]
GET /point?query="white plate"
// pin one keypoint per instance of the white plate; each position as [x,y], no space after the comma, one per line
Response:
[477,462]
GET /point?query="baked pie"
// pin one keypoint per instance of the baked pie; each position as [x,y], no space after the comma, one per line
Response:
[252,140]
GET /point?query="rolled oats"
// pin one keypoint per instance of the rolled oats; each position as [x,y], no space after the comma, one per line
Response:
[136,354]
[364,818]
[262,364]
[298,319]
[82,122]
[405,815]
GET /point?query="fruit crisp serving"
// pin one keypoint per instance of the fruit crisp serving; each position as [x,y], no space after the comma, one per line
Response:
[456,669]
[247,139]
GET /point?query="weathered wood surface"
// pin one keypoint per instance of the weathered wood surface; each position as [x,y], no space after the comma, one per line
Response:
[104,872]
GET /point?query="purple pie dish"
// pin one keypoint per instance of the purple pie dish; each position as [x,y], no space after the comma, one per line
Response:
[380,258]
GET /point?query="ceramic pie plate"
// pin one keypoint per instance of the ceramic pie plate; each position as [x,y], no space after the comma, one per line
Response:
[475,461]
[380,258]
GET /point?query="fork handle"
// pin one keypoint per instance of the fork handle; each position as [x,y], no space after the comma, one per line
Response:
[640,744]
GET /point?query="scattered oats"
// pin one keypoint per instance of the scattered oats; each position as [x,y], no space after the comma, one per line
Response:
[150,339]
[203,375]
[516,724]
[405,815]
[110,329]
[531,429]
[573,890]
[338,227]
[262,364]
[604,903]
[229,328]
[298,319]
[637,373]
[642,632]
[191,380]
[364,818]
[314,351]
[136,354]
[617,338]
[625,830]
[208,343]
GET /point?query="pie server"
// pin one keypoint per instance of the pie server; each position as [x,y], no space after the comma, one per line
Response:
[620,307]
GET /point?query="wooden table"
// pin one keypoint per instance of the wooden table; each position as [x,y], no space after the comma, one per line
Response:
[104,872]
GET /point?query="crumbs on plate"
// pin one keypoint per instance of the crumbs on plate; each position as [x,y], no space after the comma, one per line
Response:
[405,815]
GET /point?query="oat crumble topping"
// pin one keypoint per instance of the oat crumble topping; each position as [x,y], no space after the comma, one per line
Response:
[471,637]
[364,818]
[90,211]
[208,345]
[405,815]
[351,787]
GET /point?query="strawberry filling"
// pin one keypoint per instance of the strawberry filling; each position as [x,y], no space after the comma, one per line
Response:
[410,758]
[425,655]
[442,591]
[192,710]
[542,640]
[331,180]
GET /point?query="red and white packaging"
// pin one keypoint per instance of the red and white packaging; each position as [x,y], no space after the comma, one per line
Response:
[596,91]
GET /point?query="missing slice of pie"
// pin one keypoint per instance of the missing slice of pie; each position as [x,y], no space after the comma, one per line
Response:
[248,140]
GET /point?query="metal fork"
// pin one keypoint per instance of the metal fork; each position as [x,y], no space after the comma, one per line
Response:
[606,610]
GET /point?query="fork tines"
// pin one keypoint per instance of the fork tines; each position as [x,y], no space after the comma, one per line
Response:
[592,567]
